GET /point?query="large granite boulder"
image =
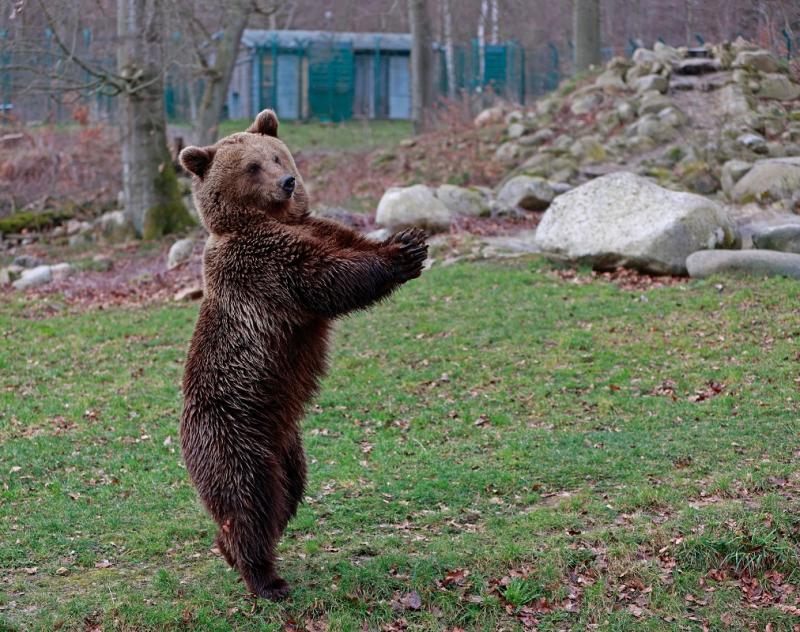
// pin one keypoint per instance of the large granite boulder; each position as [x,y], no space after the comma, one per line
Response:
[412,206]
[625,220]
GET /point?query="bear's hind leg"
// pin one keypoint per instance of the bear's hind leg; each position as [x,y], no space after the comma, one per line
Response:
[294,469]
[255,543]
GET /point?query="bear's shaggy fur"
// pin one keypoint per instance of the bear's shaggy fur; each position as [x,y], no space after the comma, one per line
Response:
[274,279]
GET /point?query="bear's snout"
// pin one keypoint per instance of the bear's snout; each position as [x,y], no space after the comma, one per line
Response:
[287,184]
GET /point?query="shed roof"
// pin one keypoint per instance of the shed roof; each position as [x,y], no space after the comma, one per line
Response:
[252,38]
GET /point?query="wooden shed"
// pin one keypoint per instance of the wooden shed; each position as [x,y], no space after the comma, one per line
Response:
[322,75]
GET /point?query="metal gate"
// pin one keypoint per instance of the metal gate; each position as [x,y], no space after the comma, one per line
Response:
[331,73]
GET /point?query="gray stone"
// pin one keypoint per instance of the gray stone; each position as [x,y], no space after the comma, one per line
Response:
[769,180]
[585,103]
[464,201]
[653,102]
[33,277]
[61,271]
[179,253]
[104,263]
[401,208]
[79,239]
[489,116]
[114,226]
[539,137]
[611,80]
[588,149]
[526,192]
[757,60]
[625,111]
[779,87]
[782,238]
[516,130]
[754,142]
[732,102]
[732,172]
[27,261]
[756,263]
[507,154]
[650,83]
[625,220]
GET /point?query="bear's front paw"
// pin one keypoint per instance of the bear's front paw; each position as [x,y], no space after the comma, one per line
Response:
[408,236]
[410,252]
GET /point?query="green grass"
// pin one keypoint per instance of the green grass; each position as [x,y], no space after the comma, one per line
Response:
[333,137]
[490,440]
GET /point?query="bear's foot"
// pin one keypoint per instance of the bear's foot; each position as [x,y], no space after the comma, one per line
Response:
[275,589]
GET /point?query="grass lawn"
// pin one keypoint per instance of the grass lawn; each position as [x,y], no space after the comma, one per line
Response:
[336,137]
[495,448]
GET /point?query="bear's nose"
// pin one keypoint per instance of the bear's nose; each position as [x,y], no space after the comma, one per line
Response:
[287,184]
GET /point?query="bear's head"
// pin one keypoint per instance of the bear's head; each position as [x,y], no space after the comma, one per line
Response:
[246,178]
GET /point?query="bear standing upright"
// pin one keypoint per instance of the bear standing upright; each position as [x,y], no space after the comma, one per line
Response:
[274,278]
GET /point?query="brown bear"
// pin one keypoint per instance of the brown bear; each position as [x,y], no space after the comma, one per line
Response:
[275,278]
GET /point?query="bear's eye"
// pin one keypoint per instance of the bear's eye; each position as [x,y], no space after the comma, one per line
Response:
[253,168]
[277,160]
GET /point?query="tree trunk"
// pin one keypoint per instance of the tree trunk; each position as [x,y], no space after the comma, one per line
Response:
[449,48]
[218,76]
[153,202]
[421,87]
[482,42]
[586,34]
[495,37]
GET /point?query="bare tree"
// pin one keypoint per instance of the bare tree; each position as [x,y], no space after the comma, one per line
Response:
[421,61]
[152,199]
[449,48]
[586,34]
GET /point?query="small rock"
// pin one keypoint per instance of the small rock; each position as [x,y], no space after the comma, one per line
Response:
[191,293]
[61,271]
[585,103]
[779,87]
[769,180]
[781,238]
[650,83]
[341,215]
[653,102]
[33,277]
[757,60]
[412,206]
[27,261]
[539,137]
[507,154]
[490,116]
[757,263]
[732,172]
[179,253]
[464,201]
[114,226]
[754,142]
[526,192]
[516,130]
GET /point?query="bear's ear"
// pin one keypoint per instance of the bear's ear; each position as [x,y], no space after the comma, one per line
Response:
[197,160]
[266,123]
